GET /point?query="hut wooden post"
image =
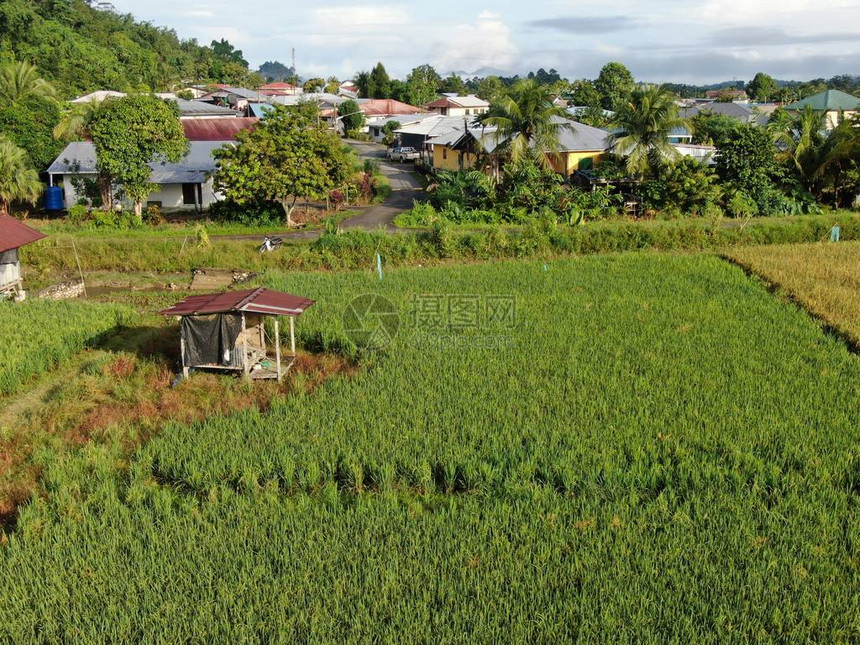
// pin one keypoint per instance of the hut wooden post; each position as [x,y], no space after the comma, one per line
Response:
[245,368]
[182,354]
[278,348]
[293,335]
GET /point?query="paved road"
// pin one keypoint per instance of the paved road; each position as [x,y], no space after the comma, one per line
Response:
[404,189]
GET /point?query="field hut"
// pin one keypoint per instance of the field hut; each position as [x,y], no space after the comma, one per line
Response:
[13,235]
[226,331]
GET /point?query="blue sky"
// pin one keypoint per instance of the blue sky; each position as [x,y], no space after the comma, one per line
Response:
[668,40]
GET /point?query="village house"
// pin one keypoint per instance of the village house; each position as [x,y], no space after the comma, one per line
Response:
[453,105]
[835,106]
[376,128]
[280,89]
[185,185]
[13,235]
[580,147]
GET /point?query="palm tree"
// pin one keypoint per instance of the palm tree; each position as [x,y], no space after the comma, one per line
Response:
[526,121]
[18,180]
[20,80]
[801,140]
[838,159]
[75,122]
[644,122]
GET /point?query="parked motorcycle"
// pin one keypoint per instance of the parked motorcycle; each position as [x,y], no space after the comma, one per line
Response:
[270,244]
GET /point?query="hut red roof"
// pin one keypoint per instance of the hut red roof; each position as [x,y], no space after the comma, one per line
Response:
[216,129]
[259,301]
[14,234]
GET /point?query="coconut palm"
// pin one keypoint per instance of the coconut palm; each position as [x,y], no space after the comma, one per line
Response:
[75,122]
[838,162]
[526,121]
[801,142]
[20,80]
[18,181]
[643,124]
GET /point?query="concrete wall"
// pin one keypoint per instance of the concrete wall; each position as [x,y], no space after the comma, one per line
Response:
[457,111]
[565,163]
[834,117]
[444,158]
[170,195]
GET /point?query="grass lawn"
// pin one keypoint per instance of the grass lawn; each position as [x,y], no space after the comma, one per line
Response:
[824,278]
[614,448]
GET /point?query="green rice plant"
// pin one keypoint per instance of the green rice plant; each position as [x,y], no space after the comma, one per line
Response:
[39,334]
[653,448]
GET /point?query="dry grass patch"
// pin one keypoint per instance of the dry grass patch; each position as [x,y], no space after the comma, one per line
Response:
[824,278]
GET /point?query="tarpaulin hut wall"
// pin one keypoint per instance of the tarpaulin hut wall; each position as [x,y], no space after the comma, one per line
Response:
[13,235]
[226,331]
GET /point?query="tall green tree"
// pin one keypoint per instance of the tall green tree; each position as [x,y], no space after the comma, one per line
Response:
[453,84]
[526,121]
[491,88]
[132,132]
[422,85]
[762,87]
[643,123]
[615,84]
[314,85]
[19,182]
[29,124]
[286,157]
[378,83]
[584,94]
[350,115]
[748,160]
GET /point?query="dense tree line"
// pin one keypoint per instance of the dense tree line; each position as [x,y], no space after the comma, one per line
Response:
[81,48]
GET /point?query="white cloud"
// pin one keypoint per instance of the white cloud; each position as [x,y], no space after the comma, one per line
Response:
[198,13]
[360,17]
[746,11]
[487,43]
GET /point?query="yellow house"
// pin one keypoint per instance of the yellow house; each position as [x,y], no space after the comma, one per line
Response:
[580,147]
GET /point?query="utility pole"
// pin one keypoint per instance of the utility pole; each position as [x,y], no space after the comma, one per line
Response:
[295,73]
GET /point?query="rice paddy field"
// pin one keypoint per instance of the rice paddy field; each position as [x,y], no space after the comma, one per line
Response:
[37,335]
[824,278]
[645,447]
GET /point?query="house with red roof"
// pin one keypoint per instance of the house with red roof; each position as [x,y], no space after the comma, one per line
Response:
[13,235]
[452,105]
[280,89]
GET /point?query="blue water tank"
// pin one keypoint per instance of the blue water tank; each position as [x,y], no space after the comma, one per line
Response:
[54,198]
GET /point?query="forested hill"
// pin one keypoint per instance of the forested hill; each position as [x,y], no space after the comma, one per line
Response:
[82,48]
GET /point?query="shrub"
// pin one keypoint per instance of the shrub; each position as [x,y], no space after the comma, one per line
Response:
[78,214]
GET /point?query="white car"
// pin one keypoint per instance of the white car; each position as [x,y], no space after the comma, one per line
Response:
[403,154]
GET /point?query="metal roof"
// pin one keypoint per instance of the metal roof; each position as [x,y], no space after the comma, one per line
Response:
[434,126]
[830,100]
[79,158]
[216,129]
[470,101]
[201,108]
[266,302]
[573,136]
[732,110]
[386,107]
[15,234]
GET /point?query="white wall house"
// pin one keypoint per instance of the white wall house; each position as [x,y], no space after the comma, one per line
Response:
[185,185]
[469,105]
